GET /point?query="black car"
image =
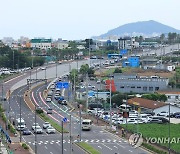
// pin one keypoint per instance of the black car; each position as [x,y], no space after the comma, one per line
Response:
[173,115]
[26,132]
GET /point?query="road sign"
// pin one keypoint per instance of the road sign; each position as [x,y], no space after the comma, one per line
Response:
[64,119]
[62,85]
[106,117]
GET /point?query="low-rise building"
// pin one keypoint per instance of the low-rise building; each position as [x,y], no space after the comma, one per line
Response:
[172,96]
[41,43]
[151,106]
[127,83]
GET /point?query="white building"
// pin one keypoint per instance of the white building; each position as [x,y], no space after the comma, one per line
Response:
[62,44]
[172,96]
[41,43]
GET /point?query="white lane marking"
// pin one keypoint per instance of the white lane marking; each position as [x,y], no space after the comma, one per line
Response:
[115,147]
[97,141]
[106,146]
[65,150]
[120,145]
[130,151]
[99,147]
[92,141]
[51,153]
[45,147]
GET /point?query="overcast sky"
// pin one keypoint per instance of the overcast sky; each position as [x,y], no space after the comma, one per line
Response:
[80,19]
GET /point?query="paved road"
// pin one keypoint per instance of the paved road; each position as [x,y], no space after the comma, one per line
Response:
[100,139]
[46,143]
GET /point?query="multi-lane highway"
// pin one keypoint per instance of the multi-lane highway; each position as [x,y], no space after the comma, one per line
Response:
[98,137]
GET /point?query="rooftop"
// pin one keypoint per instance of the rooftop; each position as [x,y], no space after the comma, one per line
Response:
[145,103]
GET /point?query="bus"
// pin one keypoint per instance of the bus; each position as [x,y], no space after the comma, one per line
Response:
[86,124]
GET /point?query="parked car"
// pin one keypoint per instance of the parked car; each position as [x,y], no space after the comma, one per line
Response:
[50,130]
[46,125]
[173,115]
[177,116]
[26,132]
[163,114]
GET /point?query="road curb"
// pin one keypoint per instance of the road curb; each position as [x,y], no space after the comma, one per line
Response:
[87,152]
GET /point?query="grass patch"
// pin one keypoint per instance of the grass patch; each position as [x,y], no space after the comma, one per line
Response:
[109,71]
[152,148]
[88,148]
[157,130]
[25,146]
[53,123]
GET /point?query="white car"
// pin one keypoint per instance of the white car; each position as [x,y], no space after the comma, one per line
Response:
[46,125]
[132,122]
[50,130]
[38,130]
[163,114]
[48,99]
[35,125]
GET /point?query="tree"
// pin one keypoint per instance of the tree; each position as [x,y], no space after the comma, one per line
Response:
[162,37]
[84,69]
[91,72]
[73,75]
[88,42]
[117,70]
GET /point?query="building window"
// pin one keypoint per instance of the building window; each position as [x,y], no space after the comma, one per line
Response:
[144,88]
[133,87]
[156,88]
[169,97]
[176,97]
[122,87]
[150,88]
[139,87]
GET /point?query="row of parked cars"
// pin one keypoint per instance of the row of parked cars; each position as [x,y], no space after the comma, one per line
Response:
[133,118]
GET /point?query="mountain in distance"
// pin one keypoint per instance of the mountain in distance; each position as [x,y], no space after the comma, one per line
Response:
[145,28]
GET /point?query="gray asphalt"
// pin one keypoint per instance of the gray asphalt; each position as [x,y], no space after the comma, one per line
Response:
[100,139]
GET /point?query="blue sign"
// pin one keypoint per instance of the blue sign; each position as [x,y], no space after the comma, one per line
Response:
[62,85]
[64,119]
[106,117]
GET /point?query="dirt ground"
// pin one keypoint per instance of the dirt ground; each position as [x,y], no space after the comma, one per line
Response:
[141,72]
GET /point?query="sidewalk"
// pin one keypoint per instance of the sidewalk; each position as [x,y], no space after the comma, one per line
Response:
[3,149]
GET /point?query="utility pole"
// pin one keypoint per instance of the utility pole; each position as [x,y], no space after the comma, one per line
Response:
[36,75]
[110,107]
[80,123]
[74,87]
[169,146]
[13,59]
[70,134]
[89,53]
[86,93]
[20,120]
[62,138]
[56,63]
[97,106]
[35,118]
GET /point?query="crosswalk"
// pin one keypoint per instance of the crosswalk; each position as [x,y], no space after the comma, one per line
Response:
[85,140]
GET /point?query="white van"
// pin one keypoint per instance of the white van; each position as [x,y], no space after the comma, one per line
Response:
[20,124]
[86,124]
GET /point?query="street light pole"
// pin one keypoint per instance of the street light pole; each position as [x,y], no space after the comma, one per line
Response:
[62,138]
[169,148]
[70,134]
[110,107]
[35,118]
[20,120]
